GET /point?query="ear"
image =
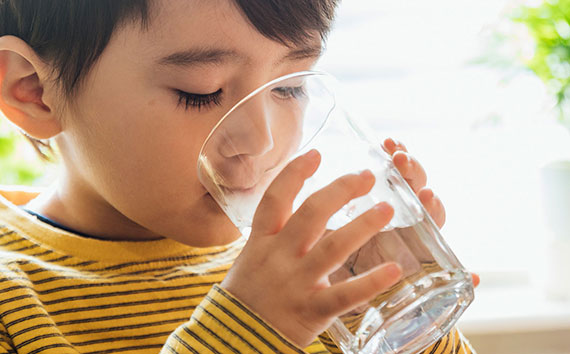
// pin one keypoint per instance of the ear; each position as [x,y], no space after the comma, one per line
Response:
[23,90]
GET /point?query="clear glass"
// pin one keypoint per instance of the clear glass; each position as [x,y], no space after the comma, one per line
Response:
[289,116]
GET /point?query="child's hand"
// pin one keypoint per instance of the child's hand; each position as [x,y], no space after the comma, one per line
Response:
[415,175]
[282,272]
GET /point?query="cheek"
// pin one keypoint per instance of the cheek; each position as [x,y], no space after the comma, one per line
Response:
[144,160]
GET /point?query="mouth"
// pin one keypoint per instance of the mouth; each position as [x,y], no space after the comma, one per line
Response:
[239,190]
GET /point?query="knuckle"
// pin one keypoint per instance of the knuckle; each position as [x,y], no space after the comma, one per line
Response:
[332,246]
[347,184]
[343,300]
[310,208]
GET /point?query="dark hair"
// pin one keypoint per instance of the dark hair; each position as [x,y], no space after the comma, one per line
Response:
[70,35]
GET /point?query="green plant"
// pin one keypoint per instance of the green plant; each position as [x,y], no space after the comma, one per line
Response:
[18,164]
[549,26]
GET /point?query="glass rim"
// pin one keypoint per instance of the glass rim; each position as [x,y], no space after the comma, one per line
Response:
[255,92]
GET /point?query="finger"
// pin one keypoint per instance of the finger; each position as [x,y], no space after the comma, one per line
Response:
[309,222]
[476,279]
[275,207]
[391,146]
[332,251]
[410,169]
[433,206]
[343,297]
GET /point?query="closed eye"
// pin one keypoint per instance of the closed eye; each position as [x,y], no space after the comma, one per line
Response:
[197,100]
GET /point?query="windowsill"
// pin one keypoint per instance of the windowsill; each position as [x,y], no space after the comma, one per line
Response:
[515,309]
[517,320]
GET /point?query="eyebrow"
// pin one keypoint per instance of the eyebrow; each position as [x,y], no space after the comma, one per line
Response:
[215,56]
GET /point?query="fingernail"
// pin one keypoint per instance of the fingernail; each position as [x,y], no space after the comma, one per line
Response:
[312,154]
[404,163]
[383,207]
[393,270]
[366,173]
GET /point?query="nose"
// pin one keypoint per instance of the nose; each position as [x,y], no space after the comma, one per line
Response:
[248,130]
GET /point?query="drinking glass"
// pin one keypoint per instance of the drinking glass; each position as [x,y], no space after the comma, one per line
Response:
[293,114]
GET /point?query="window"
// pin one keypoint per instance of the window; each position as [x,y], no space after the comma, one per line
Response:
[411,70]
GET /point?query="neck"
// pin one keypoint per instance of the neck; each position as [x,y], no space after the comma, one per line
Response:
[76,207]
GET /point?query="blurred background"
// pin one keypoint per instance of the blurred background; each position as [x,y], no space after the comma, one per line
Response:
[478,92]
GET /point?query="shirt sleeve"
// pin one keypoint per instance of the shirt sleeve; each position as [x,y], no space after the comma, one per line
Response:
[453,343]
[5,347]
[222,324]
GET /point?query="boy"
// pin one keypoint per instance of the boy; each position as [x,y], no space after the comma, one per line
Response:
[127,252]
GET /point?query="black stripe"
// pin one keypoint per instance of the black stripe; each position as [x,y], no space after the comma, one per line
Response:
[6,233]
[228,328]
[124,304]
[26,318]
[74,274]
[130,292]
[116,350]
[197,337]
[241,323]
[41,254]
[143,271]
[446,343]
[46,347]
[29,329]
[4,334]
[149,280]
[12,242]
[160,260]
[26,248]
[125,282]
[2,280]
[16,298]
[62,258]
[256,318]
[172,350]
[37,338]
[22,262]
[179,340]
[99,307]
[104,271]
[122,316]
[171,271]
[119,339]
[21,308]
[100,330]
[220,339]
[437,344]
[455,346]
[123,328]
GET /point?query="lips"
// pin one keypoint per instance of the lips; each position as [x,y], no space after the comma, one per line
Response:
[239,189]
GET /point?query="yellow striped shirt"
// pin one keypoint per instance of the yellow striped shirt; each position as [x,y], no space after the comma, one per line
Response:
[61,293]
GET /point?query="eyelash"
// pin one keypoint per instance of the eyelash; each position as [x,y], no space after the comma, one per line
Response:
[198,101]
[295,92]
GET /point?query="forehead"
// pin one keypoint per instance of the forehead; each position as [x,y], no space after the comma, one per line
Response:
[176,25]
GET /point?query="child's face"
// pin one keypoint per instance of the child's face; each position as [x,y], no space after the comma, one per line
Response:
[132,146]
